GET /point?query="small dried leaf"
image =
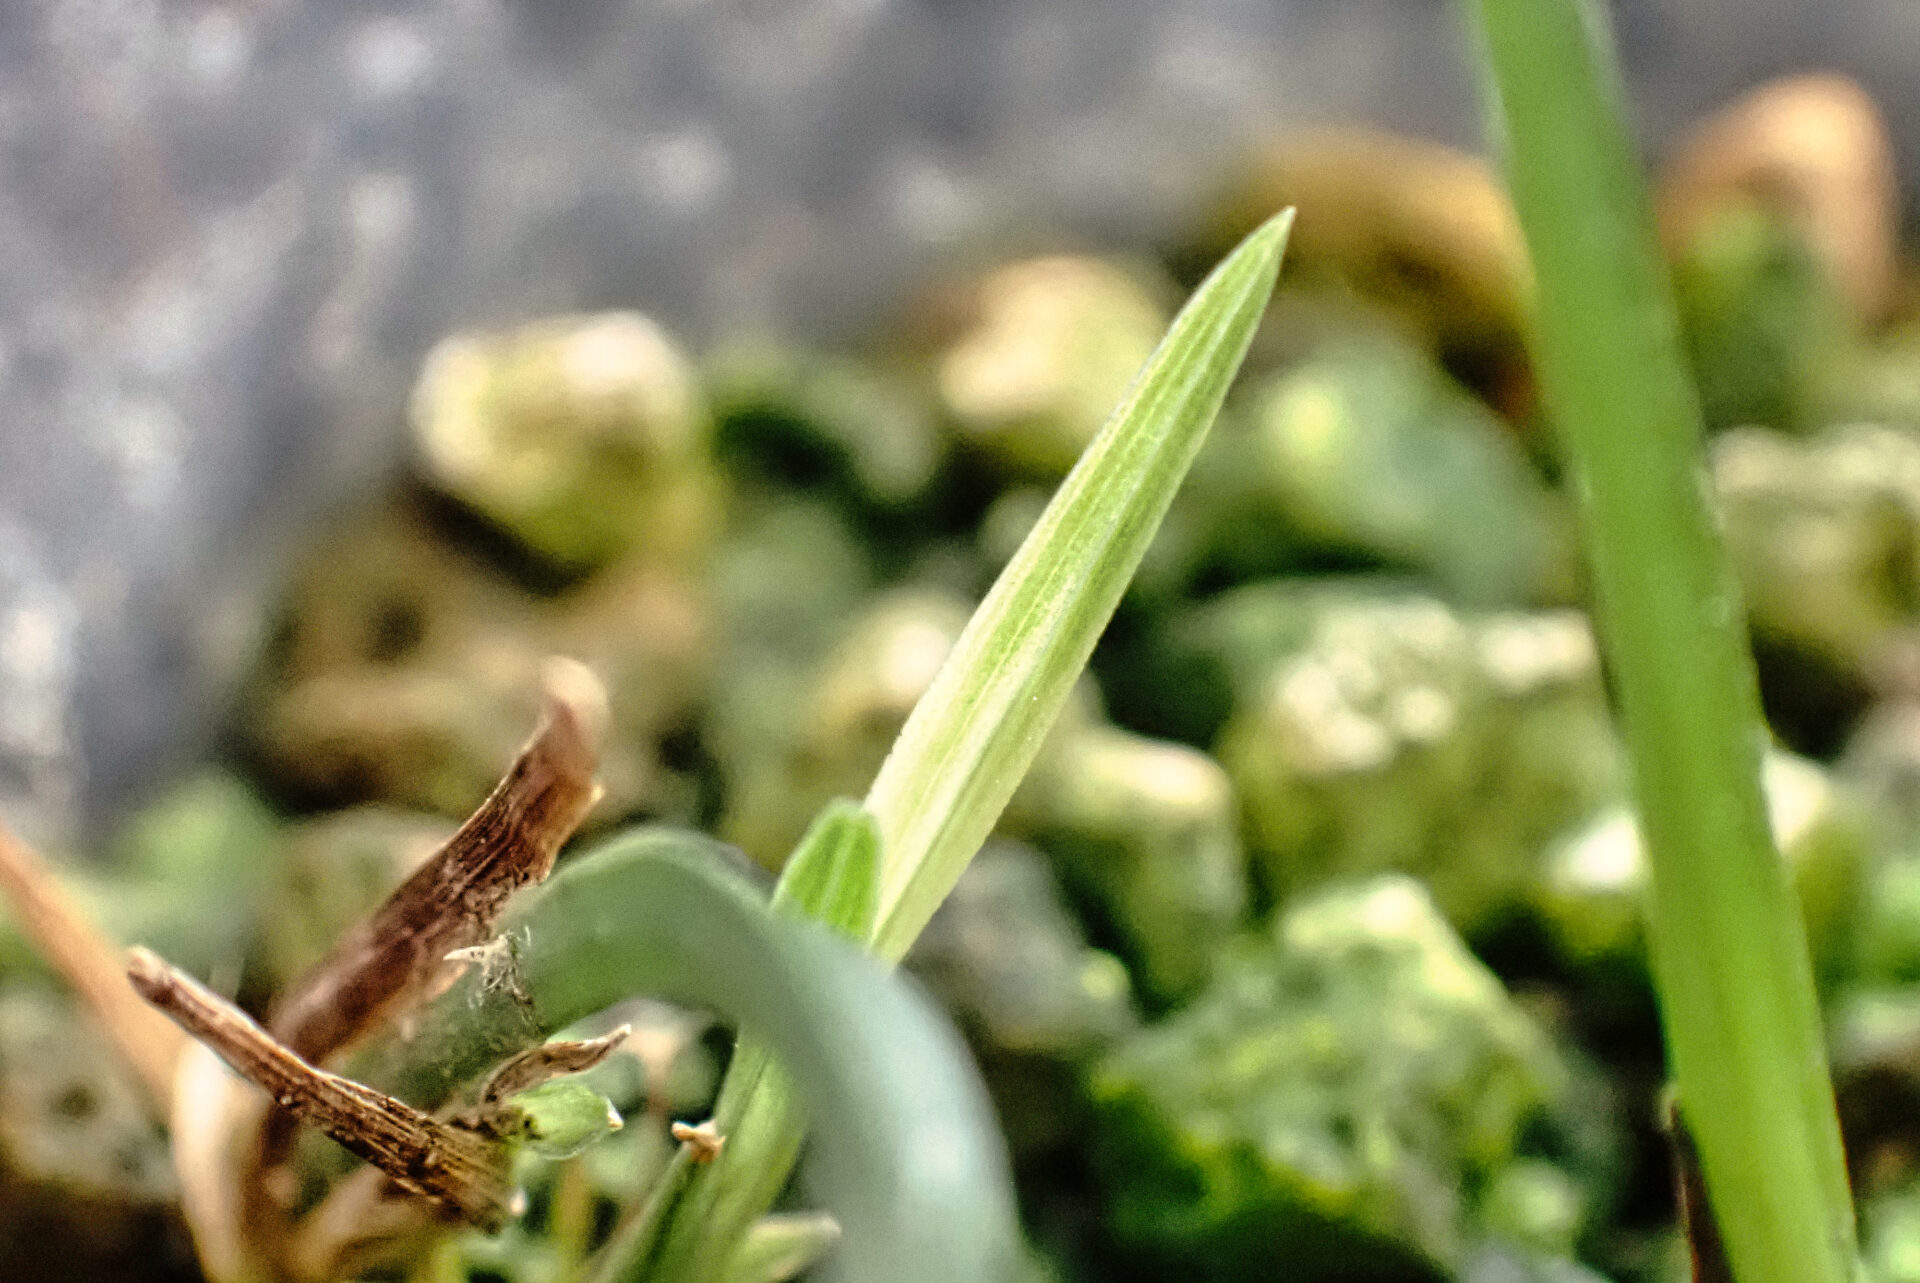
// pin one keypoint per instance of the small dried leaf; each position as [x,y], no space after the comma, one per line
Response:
[536,1065]
[453,900]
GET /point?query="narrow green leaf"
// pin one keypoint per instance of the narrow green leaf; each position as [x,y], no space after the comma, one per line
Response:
[973,735]
[1736,987]
[833,876]
[780,1246]
[636,1238]
[1028,643]
[962,752]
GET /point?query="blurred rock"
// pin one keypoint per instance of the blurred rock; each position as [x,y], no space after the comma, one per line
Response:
[70,1113]
[837,718]
[1007,957]
[871,682]
[1890,1237]
[1007,522]
[234,230]
[406,670]
[1593,884]
[1205,658]
[582,437]
[1881,764]
[1501,1265]
[1424,231]
[402,670]
[1366,452]
[1873,1020]
[1881,768]
[811,421]
[1767,330]
[1823,533]
[1881,382]
[187,876]
[1054,345]
[1812,150]
[1008,960]
[1873,1039]
[87,1187]
[787,578]
[1146,834]
[189,871]
[1536,1207]
[1390,732]
[1344,1088]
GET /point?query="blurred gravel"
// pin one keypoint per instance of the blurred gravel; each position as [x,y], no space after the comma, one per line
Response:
[229,230]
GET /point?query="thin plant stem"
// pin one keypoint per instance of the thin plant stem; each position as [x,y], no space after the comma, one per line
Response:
[636,1239]
[1729,952]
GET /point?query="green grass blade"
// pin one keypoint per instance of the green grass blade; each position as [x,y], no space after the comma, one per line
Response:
[1736,988]
[974,734]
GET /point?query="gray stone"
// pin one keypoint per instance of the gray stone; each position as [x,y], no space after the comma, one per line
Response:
[229,232]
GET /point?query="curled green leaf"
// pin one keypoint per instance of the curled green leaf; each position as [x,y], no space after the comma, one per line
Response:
[904,1151]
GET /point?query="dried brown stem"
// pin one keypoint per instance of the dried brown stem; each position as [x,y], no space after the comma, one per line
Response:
[453,900]
[1705,1252]
[76,948]
[550,1060]
[360,1224]
[214,1123]
[455,1165]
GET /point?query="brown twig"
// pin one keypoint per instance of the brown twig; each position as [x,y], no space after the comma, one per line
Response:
[453,900]
[75,947]
[453,1164]
[360,1224]
[1705,1251]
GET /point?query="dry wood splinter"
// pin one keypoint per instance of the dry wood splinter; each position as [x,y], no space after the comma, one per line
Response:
[451,1163]
[453,900]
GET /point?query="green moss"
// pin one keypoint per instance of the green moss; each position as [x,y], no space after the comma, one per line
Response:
[1332,1106]
[1393,732]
